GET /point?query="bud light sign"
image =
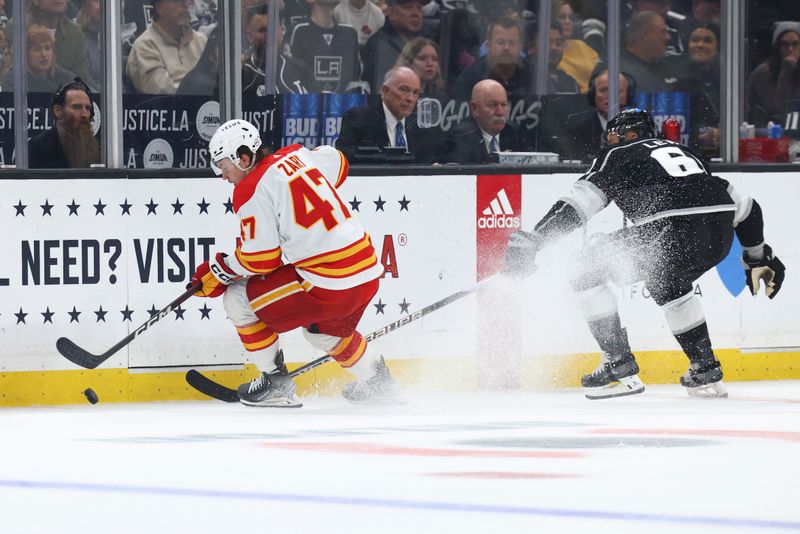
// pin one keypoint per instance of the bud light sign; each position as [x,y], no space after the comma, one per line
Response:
[663,106]
[315,119]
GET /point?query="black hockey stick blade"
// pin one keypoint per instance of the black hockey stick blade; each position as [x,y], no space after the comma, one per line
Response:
[77,355]
[215,390]
[210,388]
[86,359]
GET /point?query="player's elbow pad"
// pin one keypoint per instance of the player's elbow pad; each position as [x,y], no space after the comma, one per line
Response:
[561,219]
[750,230]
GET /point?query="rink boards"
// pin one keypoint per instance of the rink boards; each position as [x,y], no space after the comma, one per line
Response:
[92,259]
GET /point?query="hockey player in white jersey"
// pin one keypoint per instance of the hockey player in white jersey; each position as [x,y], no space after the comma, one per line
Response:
[303,260]
[683,225]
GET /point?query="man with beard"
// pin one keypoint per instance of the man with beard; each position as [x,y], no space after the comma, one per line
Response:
[70,144]
[488,130]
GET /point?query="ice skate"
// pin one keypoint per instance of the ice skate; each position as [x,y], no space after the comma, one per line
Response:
[704,382]
[274,390]
[380,389]
[616,377]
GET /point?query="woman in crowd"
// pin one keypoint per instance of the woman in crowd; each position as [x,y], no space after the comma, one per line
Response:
[89,20]
[700,75]
[44,76]
[422,56]
[777,80]
[579,58]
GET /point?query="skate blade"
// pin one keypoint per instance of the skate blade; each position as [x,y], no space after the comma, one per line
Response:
[708,391]
[278,402]
[630,385]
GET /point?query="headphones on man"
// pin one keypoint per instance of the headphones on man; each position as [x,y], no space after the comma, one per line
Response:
[630,93]
[60,96]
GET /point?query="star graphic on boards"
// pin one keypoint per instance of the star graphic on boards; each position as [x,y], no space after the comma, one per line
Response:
[21,316]
[205,312]
[379,307]
[47,208]
[99,207]
[73,208]
[48,316]
[151,207]
[404,306]
[379,204]
[404,203]
[73,315]
[228,205]
[126,208]
[177,207]
[20,207]
[126,314]
[179,313]
[101,314]
[203,205]
[152,311]
[354,204]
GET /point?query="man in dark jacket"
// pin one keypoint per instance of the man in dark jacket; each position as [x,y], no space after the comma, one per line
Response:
[70,144]
[390,123]
[403,23]
[488,130]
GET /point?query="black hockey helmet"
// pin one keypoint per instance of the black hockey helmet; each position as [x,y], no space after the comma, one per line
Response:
[632,120]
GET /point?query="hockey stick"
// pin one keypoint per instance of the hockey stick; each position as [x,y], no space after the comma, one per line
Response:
[215,390]
[86,359]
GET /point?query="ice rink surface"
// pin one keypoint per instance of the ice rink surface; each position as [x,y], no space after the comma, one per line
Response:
[492,462]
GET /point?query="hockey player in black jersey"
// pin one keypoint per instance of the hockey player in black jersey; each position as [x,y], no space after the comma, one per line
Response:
[683,221]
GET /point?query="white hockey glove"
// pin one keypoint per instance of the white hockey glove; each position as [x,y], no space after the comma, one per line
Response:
[769,269]
[520,259]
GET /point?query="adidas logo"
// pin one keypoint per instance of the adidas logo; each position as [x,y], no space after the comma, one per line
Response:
[499,214]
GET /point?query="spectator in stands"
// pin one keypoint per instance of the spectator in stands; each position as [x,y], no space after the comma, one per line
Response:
[700,76]
[44,76]
[363,15]
[777,80]
[70,144]
[702,11]
[422,56]
[389,123]
[70,51]
[558,81]
[203,79]
[403,23]
[646,42]
[586,129]
[89,21]
[579,59]
[502,62]
[6,60]
[293,76]
[329,49]
[166,51]
[487,131]
[662,7]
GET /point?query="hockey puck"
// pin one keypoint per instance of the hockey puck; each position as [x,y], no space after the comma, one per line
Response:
[91,396]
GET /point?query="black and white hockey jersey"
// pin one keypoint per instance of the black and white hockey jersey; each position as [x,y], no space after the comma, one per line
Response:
[648,179]
[331,53]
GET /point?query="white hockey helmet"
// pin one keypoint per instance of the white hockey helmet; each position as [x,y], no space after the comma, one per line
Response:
[228,138]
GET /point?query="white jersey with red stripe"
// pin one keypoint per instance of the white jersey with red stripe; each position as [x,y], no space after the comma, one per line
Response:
[289,211]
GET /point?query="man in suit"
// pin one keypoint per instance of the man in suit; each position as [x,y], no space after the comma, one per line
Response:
[390,123]
[487,130]
[586,128]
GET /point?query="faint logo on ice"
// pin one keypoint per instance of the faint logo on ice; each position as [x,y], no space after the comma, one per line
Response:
[731,271]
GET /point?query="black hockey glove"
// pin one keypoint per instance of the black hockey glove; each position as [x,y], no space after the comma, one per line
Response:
[520,260]
[769,269]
